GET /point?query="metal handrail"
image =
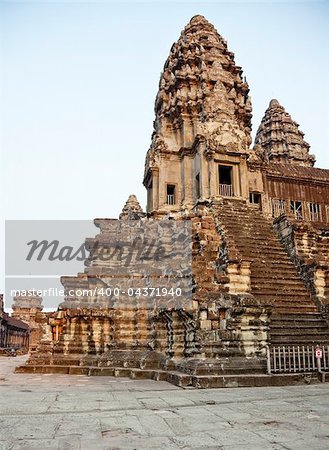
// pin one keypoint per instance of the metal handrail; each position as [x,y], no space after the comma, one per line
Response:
[226,190]
[297,358]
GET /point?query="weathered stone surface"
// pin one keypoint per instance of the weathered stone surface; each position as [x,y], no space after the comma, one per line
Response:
[281,140]
[249,290]
[132,209]
[202,110]
[27,309]
[106,412]
[201,91]
[307,245]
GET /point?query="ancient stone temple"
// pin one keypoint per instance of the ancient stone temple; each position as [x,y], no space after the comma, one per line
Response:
[259,221]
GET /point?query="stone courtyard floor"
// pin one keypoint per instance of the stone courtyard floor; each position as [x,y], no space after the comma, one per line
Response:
[79,412]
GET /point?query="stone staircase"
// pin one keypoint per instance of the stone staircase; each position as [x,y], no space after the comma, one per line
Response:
[274,278]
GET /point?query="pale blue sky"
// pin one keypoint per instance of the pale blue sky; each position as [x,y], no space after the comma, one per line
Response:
[79,81]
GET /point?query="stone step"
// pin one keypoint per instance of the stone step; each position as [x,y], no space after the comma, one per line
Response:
[299,339]
[220,366]
[294,306]
[264,240]
[270,277]
[181,379]
[253,380]
[259,244]
[293,310]
[314,316]
[292,291]
[315,325]
[262,265]
[287,297]
[324,331]
[261,250]
[293,288]
[278,273]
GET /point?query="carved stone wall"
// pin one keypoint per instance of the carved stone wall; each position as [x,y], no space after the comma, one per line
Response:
[308,247]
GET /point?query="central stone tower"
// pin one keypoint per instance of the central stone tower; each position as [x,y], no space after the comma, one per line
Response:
[202,129]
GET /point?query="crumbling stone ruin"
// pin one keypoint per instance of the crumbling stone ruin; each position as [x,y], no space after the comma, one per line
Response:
[28,309]
[260,239]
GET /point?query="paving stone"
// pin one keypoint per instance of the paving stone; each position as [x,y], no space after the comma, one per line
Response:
[60,415]
[129,442]
[32,444]
[237,436]
[197,440]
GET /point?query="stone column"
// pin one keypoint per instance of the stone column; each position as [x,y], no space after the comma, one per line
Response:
[236,180]
[242,175]
[155,187]
[204,171]
[187,180]
[213,187]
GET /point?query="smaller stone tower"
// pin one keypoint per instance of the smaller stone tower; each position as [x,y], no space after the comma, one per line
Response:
[26,309]
[279,136]
[132,210]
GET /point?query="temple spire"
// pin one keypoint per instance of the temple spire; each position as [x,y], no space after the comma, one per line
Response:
[202,115]
[132,210]
[201,89]
[279,136]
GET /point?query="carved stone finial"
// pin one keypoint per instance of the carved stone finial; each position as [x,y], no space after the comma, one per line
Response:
[132,209]
[280,138]
[274,102]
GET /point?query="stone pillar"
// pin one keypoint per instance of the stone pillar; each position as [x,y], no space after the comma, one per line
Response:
[236,180]
[242,174]
[204,172]
[155,187]
[188,180]
[213,187]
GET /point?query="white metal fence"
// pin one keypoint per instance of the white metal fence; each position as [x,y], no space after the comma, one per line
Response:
[297,358]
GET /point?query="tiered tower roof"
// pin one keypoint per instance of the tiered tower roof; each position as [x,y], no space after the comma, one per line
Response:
[132,209]
[279,136]
[202,91]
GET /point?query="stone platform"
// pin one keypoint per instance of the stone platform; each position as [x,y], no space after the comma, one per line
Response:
[57,411]
[185,373]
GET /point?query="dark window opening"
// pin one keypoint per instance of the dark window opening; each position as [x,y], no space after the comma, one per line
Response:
[170,194]
[315,212]
[254,198]
[225,173]
[197,185]
[297,209]
[225,181]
